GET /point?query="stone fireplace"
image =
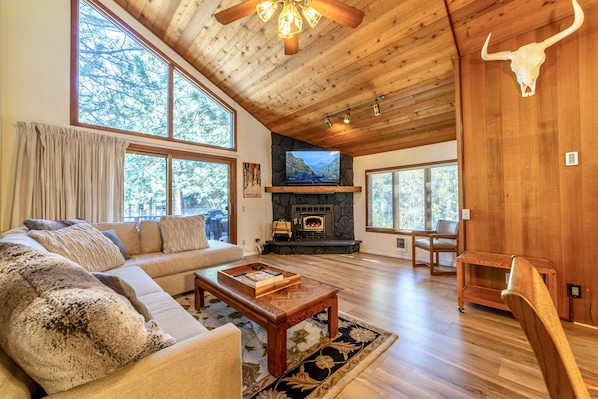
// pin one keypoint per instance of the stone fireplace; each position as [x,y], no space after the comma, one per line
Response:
[322,223]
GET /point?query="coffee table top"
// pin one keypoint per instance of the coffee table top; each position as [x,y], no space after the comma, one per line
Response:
[276,305]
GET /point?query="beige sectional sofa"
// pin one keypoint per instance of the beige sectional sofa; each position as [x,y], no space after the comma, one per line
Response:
[201,364]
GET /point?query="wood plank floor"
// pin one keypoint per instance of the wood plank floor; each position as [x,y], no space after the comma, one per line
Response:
[440,353]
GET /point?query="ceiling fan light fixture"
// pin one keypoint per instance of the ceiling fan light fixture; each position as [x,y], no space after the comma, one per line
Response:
[347,116]
[328,122]
[289,21]
[311,16]
[266,9]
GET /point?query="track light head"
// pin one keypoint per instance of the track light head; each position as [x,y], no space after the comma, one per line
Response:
[376,109]
[328,122]
[347,116]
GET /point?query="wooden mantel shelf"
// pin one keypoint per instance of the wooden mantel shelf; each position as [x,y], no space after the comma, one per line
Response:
[314,189]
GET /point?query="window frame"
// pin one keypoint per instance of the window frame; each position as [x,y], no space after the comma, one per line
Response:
[172,66]
[171,154]
[426,166]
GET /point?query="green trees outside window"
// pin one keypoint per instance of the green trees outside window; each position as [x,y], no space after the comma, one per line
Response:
[412,198]
[122,84]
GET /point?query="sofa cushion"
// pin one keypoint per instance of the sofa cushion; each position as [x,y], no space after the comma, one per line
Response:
[18,235]
[62,326]
[121,287]
[48,224]
[126,232]
[83,244]
[158,264]
[14,383]
[112,236]
[175,321]
[150,236]
[137,278]
[183,233]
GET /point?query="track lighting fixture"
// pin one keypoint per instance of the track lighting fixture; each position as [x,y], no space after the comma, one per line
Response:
[347,111]
[327,119]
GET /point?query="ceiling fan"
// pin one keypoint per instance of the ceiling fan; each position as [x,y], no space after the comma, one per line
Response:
[290,21]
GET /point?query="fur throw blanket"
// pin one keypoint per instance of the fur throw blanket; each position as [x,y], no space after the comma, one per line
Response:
[62,326]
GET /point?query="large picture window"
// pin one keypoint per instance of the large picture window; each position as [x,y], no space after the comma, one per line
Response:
[122,84]
[159,184]
[412,198]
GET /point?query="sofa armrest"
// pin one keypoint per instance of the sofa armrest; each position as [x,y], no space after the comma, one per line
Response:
[204,366]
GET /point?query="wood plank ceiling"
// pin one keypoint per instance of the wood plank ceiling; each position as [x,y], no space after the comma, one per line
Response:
[403,50]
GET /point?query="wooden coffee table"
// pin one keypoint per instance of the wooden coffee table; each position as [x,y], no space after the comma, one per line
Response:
[275,312]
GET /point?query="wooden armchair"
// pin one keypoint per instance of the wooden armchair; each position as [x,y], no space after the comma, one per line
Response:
[443,239]
[528,298]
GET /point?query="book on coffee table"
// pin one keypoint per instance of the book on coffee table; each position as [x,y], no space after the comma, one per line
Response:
[260,278]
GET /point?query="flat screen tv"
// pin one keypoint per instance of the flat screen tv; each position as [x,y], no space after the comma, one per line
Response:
[313,167]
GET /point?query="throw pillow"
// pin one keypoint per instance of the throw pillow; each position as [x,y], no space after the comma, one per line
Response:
[150,236]
[112,236]
[62,326]
[83,244]
[183,233]
[121,287]
[47,224]
[127,233]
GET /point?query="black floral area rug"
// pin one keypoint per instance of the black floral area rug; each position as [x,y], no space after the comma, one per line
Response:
[317,367]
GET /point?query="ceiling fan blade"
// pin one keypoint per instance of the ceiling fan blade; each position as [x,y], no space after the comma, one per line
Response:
[237,12]
[339,12]
[291,46]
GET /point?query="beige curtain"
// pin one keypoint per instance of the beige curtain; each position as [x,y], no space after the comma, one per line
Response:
[64,173]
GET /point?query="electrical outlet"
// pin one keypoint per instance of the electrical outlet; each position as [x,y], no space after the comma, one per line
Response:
[574,290]
[243,242]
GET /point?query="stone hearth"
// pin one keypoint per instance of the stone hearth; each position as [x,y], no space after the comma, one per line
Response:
[314,247]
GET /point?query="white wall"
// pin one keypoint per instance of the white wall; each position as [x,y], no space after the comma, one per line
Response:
[381,243]
[35,83]
[2,23]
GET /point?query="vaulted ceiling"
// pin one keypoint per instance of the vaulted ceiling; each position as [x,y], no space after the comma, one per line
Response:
[403,50]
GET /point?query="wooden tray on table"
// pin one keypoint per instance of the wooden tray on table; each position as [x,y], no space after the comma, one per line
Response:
[236,277]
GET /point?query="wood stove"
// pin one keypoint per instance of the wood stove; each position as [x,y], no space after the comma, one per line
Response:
[313,222]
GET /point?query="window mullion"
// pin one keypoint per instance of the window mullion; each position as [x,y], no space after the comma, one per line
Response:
[170,113]
[395,201]
[169,185]
[428,198]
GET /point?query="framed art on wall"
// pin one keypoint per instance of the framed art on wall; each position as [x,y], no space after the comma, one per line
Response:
[252,180]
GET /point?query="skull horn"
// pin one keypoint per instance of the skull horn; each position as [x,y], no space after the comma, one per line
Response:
[500,56]
[506,55]
[577,22]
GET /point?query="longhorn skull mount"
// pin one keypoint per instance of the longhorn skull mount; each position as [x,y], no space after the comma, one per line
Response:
[527,60]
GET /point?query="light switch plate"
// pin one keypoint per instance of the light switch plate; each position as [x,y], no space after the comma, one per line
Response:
[571,158]
[465,214]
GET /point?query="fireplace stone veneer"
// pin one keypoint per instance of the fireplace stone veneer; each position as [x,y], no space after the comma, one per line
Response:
[338,225]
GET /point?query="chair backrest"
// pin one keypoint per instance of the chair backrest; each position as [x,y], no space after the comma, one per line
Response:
[447,227]
[531,304]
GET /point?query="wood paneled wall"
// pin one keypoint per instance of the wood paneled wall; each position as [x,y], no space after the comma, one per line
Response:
[523,199]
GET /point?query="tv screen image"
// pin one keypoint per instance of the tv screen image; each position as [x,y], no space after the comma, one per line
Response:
[313,167]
